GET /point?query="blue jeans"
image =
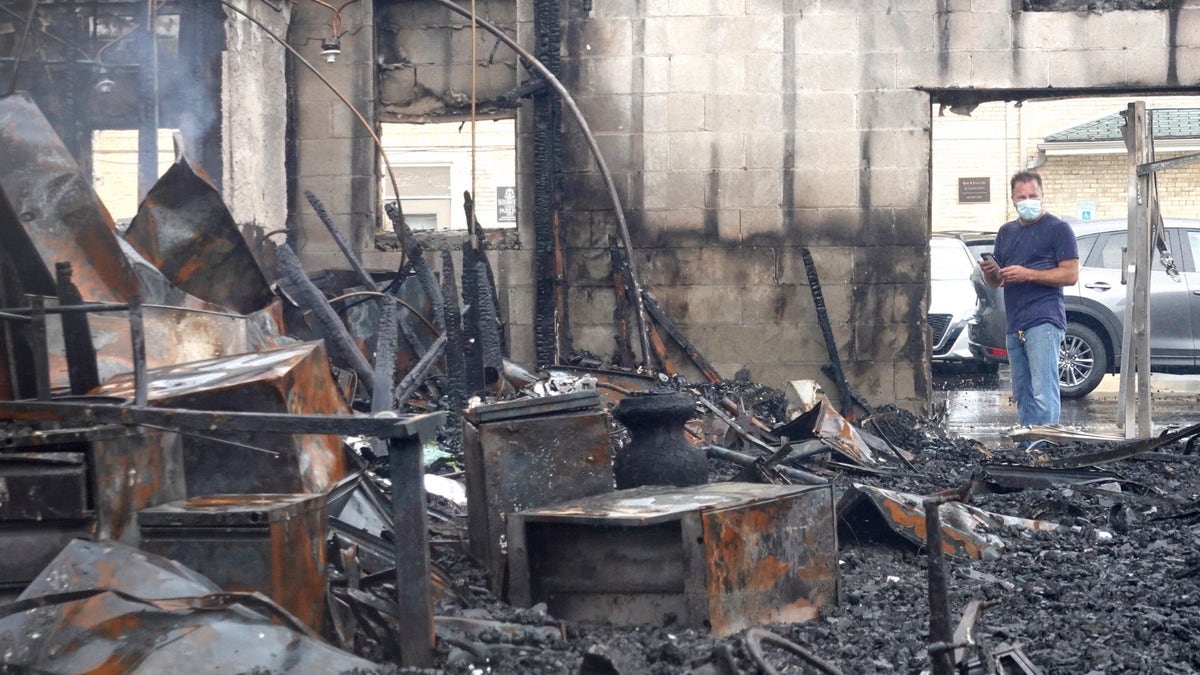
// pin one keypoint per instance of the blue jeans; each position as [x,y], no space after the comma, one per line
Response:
[1034,366]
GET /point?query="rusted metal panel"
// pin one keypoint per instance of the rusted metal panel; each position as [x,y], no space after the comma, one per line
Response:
[137,468]
[270,543]
[824,423]
[725,555]
[770,561]
[967,531]
[109,608]
[293,379]
[185,230]
[174,335]
[50,213]
[516,463]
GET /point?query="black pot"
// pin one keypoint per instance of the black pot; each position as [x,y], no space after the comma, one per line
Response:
[657,453]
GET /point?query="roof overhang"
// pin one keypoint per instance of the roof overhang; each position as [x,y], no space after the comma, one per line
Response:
[1116,147]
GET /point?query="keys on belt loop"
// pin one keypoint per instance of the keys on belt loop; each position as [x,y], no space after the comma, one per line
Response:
[1021,336]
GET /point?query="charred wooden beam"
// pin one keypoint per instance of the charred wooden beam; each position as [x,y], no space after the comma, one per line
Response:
[660,317]
[341,344]
[456,395]
[835,362]
[472,329]
[623,354]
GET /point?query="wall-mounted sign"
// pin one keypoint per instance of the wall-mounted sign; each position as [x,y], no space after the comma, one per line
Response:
[506,205]
[974,190]
[1085,209]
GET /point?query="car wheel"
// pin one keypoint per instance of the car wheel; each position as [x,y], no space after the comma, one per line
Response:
[1082,361]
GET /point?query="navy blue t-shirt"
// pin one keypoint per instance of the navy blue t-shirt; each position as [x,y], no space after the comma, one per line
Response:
[1040,245]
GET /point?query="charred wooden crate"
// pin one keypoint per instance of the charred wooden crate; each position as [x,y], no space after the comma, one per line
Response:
[526,453]
[724,556]
[270,543]
[59,484]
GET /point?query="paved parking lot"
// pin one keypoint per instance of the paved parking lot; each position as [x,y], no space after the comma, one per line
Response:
[981,407]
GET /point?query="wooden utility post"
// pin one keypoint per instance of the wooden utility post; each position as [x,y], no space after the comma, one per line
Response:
[1135,337]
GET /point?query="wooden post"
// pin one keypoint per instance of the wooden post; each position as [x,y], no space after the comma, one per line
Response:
[1135,337]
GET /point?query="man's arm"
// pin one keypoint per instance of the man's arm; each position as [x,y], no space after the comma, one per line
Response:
[1066,274]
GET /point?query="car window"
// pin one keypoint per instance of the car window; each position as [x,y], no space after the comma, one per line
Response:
[1193,238]
[949,259]
[1107,252]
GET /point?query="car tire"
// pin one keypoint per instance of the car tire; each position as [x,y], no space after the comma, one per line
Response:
[1082,361]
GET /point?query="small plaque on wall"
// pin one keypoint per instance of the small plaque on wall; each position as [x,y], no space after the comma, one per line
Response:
[974,190]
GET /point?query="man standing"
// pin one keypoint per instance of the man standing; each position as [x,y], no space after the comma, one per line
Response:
[1035,257]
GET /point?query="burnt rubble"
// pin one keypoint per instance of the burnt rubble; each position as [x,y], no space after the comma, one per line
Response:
[350,467]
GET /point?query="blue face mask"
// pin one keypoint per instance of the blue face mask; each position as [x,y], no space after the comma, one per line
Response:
[1029,209]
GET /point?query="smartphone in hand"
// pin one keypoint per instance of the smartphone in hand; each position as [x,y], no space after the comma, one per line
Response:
[988,257]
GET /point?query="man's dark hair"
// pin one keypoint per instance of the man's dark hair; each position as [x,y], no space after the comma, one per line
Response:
[1024,177]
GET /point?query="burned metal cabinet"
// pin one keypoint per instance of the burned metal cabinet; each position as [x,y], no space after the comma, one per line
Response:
[725,555]
[526,453]
[43,505]
[270,543]
[59,484]
[292,379]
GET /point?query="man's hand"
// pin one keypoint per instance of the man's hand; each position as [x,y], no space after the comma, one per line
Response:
[991,271]
[1066,274]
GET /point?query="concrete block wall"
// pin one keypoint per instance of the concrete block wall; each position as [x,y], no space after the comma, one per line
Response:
[741,131]
[425,55]
[335,155]
[254,119]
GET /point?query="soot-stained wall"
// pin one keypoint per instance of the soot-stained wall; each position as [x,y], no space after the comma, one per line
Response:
[739,132]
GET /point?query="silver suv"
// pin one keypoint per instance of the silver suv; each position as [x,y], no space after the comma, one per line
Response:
[1096,308]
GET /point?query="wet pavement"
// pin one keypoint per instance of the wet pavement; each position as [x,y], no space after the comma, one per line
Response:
[981,406]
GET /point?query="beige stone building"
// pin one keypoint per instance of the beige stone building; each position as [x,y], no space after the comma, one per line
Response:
[1083,177]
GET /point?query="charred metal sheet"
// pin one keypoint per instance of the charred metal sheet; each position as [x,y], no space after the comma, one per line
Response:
[519,463]
[1013,476]
[138,468]
[824,423]
[185,230]
[1126,449]
[268,543]
[111,608]
[730,555]
[174,335]
[50,213]
[531,407]
[967,531]
[292,379]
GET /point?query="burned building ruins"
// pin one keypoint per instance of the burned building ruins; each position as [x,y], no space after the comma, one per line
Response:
[539,336]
